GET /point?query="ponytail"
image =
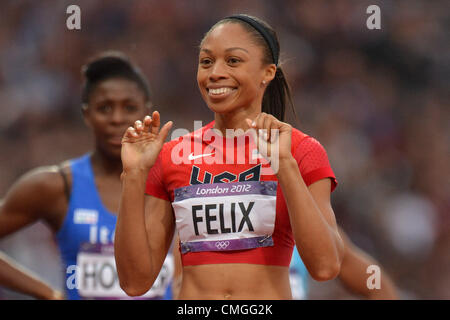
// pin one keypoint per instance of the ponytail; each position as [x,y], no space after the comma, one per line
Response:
[275,96]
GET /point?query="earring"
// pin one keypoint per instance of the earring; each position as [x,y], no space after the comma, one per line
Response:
[264,82]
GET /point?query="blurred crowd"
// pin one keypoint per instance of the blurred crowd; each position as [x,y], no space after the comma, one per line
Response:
[378,100]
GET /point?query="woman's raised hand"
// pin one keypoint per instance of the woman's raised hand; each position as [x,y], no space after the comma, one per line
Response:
[272,136]
[142,143]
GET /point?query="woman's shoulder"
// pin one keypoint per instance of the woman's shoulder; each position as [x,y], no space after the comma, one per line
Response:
[37,193]
[49,181]
[297,137]
[45,180]
[304,144]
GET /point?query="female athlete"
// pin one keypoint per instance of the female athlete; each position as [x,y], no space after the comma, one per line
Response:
[240,191]
[79,198]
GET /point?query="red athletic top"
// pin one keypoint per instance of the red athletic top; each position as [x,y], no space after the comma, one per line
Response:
[168,174]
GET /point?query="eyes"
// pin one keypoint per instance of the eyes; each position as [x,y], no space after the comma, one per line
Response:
[104,109]
[231,61]
[107,108]
[131,108]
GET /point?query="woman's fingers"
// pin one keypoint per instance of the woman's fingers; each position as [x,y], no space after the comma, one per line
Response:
[265,131]
[147,123]
[267,121]
[131,133]
[259,121]
[165,131]
[271,136]
[266,125]
[156,122]
[148,128]
[138,126]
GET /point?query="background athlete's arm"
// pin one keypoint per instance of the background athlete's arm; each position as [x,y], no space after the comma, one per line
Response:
[178,269]
[354,274]
[34,196]
[17,278]
[30,199]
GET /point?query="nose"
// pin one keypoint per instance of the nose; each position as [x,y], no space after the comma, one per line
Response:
[218,71]
[117,116]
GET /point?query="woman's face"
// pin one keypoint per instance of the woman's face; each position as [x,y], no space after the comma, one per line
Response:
[230,70]
[113,106]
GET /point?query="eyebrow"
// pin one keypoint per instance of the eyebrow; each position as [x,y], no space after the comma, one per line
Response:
[102,100]
[227,50]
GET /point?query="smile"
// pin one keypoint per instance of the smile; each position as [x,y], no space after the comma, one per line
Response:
[220,91]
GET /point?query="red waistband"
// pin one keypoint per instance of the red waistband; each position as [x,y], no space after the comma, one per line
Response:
[273,256]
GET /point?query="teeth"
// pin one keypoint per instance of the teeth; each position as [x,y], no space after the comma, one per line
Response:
[220,90]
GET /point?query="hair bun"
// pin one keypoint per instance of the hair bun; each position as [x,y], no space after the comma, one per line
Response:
[107,64]
[111,64]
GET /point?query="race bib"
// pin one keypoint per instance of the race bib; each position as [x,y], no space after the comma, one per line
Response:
[97,275]
[225,216]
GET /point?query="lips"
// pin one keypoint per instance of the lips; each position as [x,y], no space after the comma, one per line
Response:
[218,92]
[115,140]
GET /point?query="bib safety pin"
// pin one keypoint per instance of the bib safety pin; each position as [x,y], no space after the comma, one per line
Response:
[264,239]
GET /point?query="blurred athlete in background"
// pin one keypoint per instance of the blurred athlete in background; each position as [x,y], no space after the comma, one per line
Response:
[353,275]
[79,198]
[15,277]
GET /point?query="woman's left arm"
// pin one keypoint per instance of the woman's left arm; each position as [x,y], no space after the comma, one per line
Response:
[312,220]
[311,215]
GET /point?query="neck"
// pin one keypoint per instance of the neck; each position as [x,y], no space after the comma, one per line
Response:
[106,164]
[235,119]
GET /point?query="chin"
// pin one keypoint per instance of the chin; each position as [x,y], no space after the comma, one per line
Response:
[219,110]
[113,153]
[222,107]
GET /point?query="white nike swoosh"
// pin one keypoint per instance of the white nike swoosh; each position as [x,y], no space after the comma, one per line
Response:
[192,157]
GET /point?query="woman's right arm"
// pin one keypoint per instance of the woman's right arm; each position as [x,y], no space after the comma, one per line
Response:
[15,277]
[35,196]
[144,231]
[145,224]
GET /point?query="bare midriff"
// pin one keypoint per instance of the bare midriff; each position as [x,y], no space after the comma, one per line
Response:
[235,281]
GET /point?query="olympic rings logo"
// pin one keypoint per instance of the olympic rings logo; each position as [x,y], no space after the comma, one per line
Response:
[221,245]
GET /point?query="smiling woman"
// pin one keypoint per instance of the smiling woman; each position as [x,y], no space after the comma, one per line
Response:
[263,51]
[233,245]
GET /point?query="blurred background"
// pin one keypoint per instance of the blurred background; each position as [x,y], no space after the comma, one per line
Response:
[378,100]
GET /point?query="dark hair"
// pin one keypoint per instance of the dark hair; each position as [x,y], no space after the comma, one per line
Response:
[278,92]
[111,64]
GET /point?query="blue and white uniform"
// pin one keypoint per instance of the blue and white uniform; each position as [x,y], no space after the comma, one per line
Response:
[298,276]
[86,240]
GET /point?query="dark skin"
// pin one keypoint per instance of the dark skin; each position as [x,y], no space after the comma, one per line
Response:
[39,195]
[17,278]
[232,78]
[353,273]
